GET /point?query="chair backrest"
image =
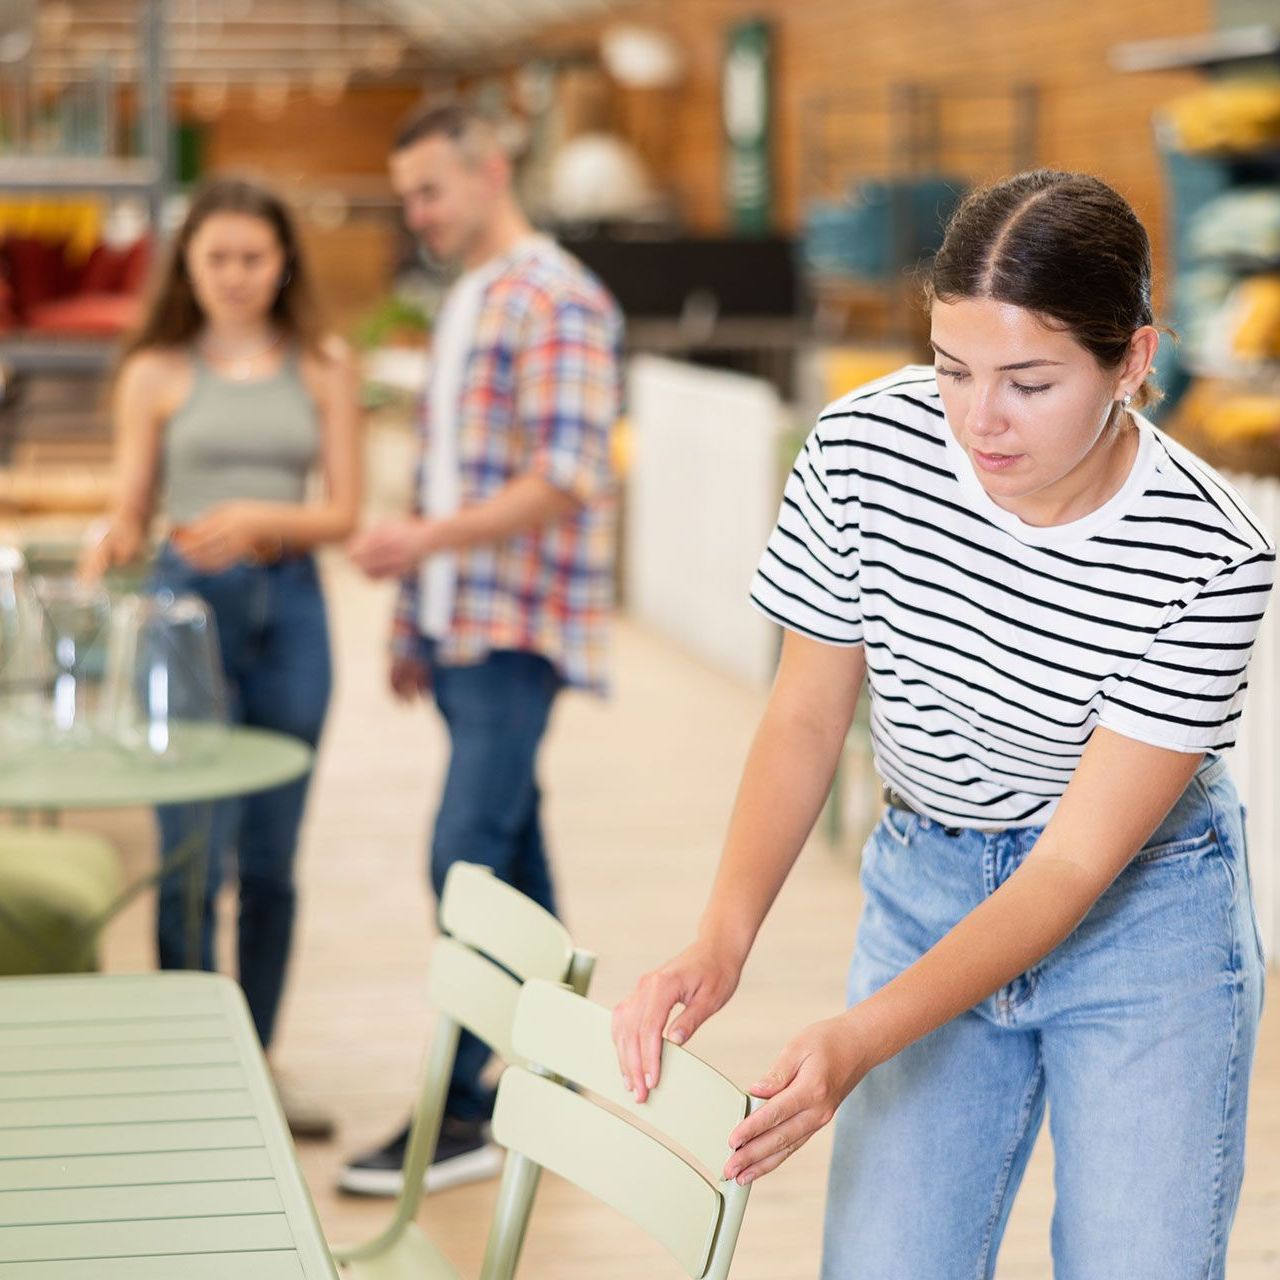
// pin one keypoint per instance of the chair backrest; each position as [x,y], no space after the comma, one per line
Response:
[493,940]
[545,1124]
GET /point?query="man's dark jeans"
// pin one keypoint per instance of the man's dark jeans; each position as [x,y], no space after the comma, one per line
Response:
[496,712]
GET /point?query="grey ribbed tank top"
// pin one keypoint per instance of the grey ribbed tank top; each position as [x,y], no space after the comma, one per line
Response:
[235,441]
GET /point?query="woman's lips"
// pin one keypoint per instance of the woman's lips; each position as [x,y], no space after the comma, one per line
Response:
[995,461]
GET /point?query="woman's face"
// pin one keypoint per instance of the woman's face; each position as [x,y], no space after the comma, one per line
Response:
[1026,402]
[236,264]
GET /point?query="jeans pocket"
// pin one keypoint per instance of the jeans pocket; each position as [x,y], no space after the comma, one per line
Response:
[1182,847]
[899,825]
[1248,885]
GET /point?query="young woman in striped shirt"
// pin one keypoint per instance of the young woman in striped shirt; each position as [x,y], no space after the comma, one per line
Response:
[1053,606]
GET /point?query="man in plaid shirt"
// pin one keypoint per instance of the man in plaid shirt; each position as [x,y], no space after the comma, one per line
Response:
[506,564]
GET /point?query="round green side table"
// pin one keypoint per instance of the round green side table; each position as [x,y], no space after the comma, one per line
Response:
[235,761]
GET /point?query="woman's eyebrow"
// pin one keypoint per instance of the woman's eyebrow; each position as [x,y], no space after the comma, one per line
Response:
[1004,368]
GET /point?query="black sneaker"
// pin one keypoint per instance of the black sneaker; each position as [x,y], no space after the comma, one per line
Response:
[463,1154]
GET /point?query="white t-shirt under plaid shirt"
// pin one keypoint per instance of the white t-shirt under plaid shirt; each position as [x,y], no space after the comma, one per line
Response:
[994,647]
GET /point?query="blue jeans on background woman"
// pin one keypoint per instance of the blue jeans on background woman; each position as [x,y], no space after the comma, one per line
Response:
[274,640]
[1138,1031]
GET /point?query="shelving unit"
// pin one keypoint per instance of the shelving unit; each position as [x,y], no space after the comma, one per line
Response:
[26,172]
[1194,178]
[909,134]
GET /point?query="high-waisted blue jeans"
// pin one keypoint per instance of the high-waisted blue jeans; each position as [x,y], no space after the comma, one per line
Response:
[1137,1032]
[274,640]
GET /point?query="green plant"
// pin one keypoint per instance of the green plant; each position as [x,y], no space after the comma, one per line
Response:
[395,317]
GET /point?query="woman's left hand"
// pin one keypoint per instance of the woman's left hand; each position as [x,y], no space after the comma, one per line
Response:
[811,1078]
[223,536]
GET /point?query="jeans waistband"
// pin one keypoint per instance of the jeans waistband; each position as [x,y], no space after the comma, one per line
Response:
[169,552]
[896,800]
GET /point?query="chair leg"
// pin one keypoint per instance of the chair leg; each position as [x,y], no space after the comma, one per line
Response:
[510,1217]
[423,1135]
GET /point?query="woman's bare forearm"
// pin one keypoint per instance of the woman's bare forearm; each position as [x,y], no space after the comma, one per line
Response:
[1121,791]
[301,527]
[785,782]
[1013,930]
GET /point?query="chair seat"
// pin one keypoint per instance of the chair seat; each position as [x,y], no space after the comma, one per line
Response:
[55,887]
[411,1257]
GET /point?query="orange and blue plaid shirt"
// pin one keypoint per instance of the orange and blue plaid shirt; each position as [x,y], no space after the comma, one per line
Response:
[540,394]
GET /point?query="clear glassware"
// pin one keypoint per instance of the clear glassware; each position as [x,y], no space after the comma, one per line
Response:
[25,668]
[164,697]
[76,617]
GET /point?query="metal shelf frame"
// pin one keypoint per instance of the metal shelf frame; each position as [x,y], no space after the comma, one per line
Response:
[909,135]
[148,175]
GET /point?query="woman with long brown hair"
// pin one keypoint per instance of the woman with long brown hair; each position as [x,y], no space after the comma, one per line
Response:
[228,397]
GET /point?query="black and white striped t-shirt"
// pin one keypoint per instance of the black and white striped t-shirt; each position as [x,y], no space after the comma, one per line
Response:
[995,647]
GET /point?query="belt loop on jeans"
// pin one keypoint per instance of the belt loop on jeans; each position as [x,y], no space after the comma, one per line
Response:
[896,800]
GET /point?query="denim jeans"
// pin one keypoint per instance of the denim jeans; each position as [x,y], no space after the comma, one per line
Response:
[496,712]
[274,640]
[1137,1032]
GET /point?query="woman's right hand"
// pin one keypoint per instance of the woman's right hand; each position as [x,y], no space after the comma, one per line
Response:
[119,543]
[701,978]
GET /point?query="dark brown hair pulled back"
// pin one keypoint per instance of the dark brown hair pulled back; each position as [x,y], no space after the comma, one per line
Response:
[1063,245]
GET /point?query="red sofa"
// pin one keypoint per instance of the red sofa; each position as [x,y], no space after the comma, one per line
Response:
[42,292]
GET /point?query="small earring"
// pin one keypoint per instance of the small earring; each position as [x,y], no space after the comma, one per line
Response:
[284,279]
[1126,399]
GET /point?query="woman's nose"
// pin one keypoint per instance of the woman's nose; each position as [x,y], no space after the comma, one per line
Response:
[983,418]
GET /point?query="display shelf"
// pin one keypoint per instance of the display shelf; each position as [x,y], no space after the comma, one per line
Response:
[1259,375]
[1248,264]
[33,354]
[40,174]
[1245,158]
[1201,52]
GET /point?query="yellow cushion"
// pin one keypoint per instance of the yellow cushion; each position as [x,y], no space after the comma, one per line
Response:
[54,885]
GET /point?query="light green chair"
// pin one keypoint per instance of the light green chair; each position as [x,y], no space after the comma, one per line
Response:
[546,1123]
[494,939]
[57,889]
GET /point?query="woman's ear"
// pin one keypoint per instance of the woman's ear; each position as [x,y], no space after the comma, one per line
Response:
[1137,364]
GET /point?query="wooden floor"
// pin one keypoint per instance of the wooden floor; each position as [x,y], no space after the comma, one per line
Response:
[637,795]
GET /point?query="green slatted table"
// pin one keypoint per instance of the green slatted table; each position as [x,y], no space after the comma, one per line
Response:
[140,1136]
